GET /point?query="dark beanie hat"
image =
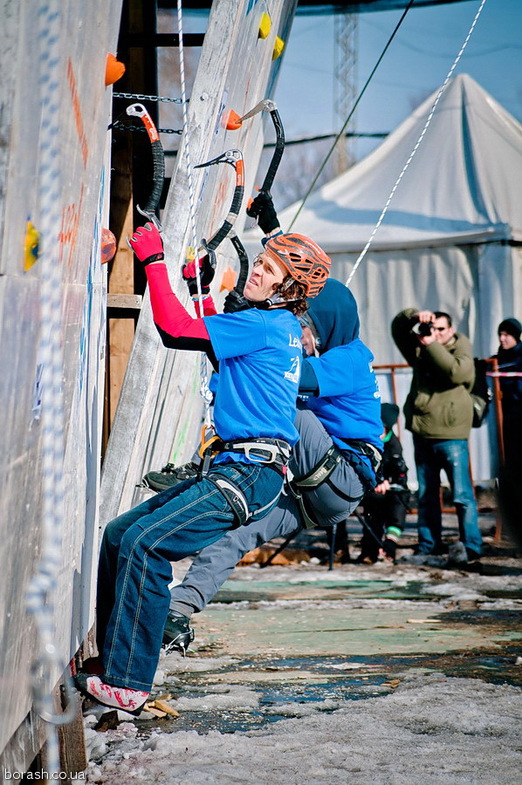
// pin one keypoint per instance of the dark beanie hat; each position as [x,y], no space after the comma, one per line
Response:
[511,326]
[389,414]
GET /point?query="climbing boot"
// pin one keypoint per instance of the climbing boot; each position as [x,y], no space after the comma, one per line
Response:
[169,476]
[177,633]
[129,700]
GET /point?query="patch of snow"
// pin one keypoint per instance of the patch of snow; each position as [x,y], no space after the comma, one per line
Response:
[431,729]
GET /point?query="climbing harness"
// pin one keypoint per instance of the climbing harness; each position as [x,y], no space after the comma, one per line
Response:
[158,161]
[321,471]
[274,452]
[267,451]
[368,450]
[318,475]
[417,145]
[234,497]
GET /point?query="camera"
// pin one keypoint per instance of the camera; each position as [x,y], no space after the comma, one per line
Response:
[422,328]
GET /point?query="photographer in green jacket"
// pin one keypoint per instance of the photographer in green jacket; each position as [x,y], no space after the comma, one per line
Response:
[439,413]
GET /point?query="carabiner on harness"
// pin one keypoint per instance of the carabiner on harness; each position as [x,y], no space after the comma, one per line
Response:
[210,446]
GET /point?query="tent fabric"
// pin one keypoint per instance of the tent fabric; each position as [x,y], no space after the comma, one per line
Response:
[463,184]
[451,237]
[447,240]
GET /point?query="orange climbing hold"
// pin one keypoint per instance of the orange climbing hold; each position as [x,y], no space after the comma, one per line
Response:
[233,121]
[114,70]
[108,246]
[228,280]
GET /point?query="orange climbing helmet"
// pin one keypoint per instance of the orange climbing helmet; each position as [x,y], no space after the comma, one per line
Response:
[305,261]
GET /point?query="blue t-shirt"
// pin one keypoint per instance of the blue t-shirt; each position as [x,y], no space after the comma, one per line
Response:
[260,355]
[349,401]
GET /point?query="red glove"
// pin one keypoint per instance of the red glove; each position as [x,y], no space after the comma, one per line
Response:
[147,244]
[206,275]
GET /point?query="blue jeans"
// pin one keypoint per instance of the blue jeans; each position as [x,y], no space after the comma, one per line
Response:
[452,455]
[135,571]
[212,566]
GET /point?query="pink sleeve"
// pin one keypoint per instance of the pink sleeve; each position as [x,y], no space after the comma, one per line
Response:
[209,309]
[169,314]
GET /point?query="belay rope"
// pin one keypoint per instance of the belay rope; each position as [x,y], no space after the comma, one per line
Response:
[47,663]
[416,147]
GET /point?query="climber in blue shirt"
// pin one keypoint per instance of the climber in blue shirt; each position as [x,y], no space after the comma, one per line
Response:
[334,463]
[258,351]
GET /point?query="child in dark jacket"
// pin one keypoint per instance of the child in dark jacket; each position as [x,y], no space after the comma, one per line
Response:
[385,507]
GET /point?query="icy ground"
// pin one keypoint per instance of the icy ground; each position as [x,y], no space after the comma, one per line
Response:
[430,729]
[419,726]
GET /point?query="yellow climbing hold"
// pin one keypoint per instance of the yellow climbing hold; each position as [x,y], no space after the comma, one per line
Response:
[265,26]
[31,246]
[279,45]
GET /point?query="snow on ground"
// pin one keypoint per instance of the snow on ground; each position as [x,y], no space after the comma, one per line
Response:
[419,728]
[431,729]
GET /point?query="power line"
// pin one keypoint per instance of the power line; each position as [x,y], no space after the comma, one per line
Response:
[348,134]
[354,107]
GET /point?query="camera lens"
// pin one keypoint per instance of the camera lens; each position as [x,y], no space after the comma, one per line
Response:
[425,328]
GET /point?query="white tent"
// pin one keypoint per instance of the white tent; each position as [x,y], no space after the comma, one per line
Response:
[449,240]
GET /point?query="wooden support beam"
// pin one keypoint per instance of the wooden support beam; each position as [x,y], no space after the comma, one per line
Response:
[126,301]
[122,302]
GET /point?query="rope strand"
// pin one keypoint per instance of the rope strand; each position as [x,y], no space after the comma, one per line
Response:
[416,147]
[204,389]
[350,115]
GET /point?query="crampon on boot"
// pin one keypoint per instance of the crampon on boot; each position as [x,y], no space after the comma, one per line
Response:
[177,634]
[169,476]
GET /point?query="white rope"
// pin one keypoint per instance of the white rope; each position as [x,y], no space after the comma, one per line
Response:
[204,389]
[417,145]
[40,591]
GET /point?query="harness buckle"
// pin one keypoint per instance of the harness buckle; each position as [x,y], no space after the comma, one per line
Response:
[261,450]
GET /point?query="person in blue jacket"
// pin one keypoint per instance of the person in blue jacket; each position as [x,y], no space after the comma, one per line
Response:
[334,463]
[255,425]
